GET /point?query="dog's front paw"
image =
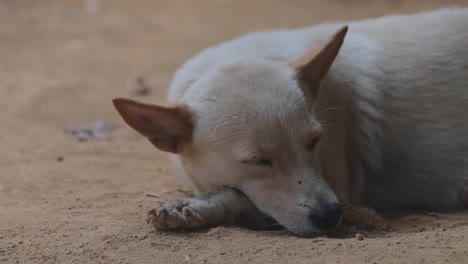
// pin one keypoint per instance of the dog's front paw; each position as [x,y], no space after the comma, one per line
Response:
[178,215]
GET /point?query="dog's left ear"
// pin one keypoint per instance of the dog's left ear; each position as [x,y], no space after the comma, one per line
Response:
[313,66]
[168,128]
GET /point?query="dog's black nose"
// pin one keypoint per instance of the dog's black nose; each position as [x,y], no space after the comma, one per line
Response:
[327,216]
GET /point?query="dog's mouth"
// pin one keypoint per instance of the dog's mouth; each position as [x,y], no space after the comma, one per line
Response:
[257,219]
[260,220]
[318,222]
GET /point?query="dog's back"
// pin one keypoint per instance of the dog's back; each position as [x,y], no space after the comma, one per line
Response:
[404,78]
[399,35]
[414,124]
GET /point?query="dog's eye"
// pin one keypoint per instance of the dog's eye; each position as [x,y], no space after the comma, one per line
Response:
[311,146]
[264,163]
[259,162]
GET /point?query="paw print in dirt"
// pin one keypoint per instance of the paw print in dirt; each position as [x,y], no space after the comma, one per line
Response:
[176,215]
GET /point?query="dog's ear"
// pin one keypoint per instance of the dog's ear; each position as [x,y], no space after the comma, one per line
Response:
[166,127]
[314,65]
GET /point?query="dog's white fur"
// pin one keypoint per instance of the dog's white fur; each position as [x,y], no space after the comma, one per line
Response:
[393,110]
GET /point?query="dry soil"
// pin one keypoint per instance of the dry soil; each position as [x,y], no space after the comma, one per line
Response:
[66,201]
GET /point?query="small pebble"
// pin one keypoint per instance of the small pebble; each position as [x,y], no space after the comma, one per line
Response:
[150,192]
[140,87]
[60,158]
[359,236]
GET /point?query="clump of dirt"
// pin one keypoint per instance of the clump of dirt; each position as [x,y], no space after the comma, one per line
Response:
[358,220]
[364,219]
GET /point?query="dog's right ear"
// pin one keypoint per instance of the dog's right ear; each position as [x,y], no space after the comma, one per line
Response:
[168,128]
[313,66]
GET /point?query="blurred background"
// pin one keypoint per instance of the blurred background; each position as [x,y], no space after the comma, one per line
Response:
[91,50]
[61,63]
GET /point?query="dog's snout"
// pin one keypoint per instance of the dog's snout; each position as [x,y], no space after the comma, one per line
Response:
[327,216]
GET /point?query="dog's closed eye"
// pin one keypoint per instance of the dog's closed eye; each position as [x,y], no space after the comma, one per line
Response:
[260,162]
[264,163]
[313,143]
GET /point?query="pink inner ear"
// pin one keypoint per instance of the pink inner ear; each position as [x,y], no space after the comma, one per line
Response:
[166,127]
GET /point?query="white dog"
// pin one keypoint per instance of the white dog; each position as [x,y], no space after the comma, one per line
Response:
[285,126]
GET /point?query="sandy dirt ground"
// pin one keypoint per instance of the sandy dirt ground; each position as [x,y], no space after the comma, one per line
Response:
[65,201]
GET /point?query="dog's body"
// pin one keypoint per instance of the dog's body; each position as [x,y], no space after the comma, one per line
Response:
[390,112]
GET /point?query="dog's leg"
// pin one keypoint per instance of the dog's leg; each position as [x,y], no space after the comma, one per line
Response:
[225,206]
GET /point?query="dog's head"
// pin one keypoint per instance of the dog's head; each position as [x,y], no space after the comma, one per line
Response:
[249,125]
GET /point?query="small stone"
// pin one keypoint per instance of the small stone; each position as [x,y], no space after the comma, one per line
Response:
[60,158]
[150,192]
[140,87]
[359,236]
